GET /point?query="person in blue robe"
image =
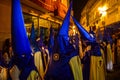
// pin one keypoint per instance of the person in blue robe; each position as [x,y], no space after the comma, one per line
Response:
[63,55]
[23,59]
[32,39]
[86,61]
[96,68]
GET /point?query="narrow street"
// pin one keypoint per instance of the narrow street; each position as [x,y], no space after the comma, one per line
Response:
[115,75]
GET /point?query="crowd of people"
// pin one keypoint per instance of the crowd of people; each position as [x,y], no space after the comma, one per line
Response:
[61,57]
[110,57]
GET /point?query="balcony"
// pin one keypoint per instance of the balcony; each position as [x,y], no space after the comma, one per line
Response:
[56,7]
[60,9]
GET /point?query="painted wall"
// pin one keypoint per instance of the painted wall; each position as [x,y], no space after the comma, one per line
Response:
[91,15]
[5,20]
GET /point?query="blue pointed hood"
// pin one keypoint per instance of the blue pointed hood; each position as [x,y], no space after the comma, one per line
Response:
[65,25]
[83,32]
[20,40]
[33,42]
[63,38]
[32,35]
[92,41]
[62,53]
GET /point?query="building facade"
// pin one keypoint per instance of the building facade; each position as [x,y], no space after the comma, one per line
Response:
[101,13]
[44,14]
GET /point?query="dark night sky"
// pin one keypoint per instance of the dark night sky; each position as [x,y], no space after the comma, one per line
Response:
[78,5]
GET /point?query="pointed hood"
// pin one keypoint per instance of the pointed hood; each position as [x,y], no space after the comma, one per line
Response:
[63,38]
[51,40]
[83,32]
[65,25]
[32,35]
[33,42]
[94,46]
[62,53]
[20,40]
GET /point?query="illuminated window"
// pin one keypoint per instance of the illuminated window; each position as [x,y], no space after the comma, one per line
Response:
[28,19]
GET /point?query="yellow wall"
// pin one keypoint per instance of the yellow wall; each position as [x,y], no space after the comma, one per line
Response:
[91,9]
[5,20]
[113,12]
[65,2]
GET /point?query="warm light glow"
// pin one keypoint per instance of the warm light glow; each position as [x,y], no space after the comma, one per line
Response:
[102,10]
[73,28]
[74,31]
[54,0]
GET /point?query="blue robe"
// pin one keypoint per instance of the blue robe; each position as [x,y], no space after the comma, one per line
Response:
[96,63]
[86,68]
[59,69]
[26,71]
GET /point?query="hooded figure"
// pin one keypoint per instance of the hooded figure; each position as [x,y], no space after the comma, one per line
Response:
[21,46]
[42,56]
[32,38]
[95,65]
[102,48]
[37,51]
[61,67]
[109,55]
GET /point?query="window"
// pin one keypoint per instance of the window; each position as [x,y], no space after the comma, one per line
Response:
[28,19]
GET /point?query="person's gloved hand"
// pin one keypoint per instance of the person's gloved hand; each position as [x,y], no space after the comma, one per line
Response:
[14,73]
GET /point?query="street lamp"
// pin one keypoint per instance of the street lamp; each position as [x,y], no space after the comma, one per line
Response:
[102,10]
